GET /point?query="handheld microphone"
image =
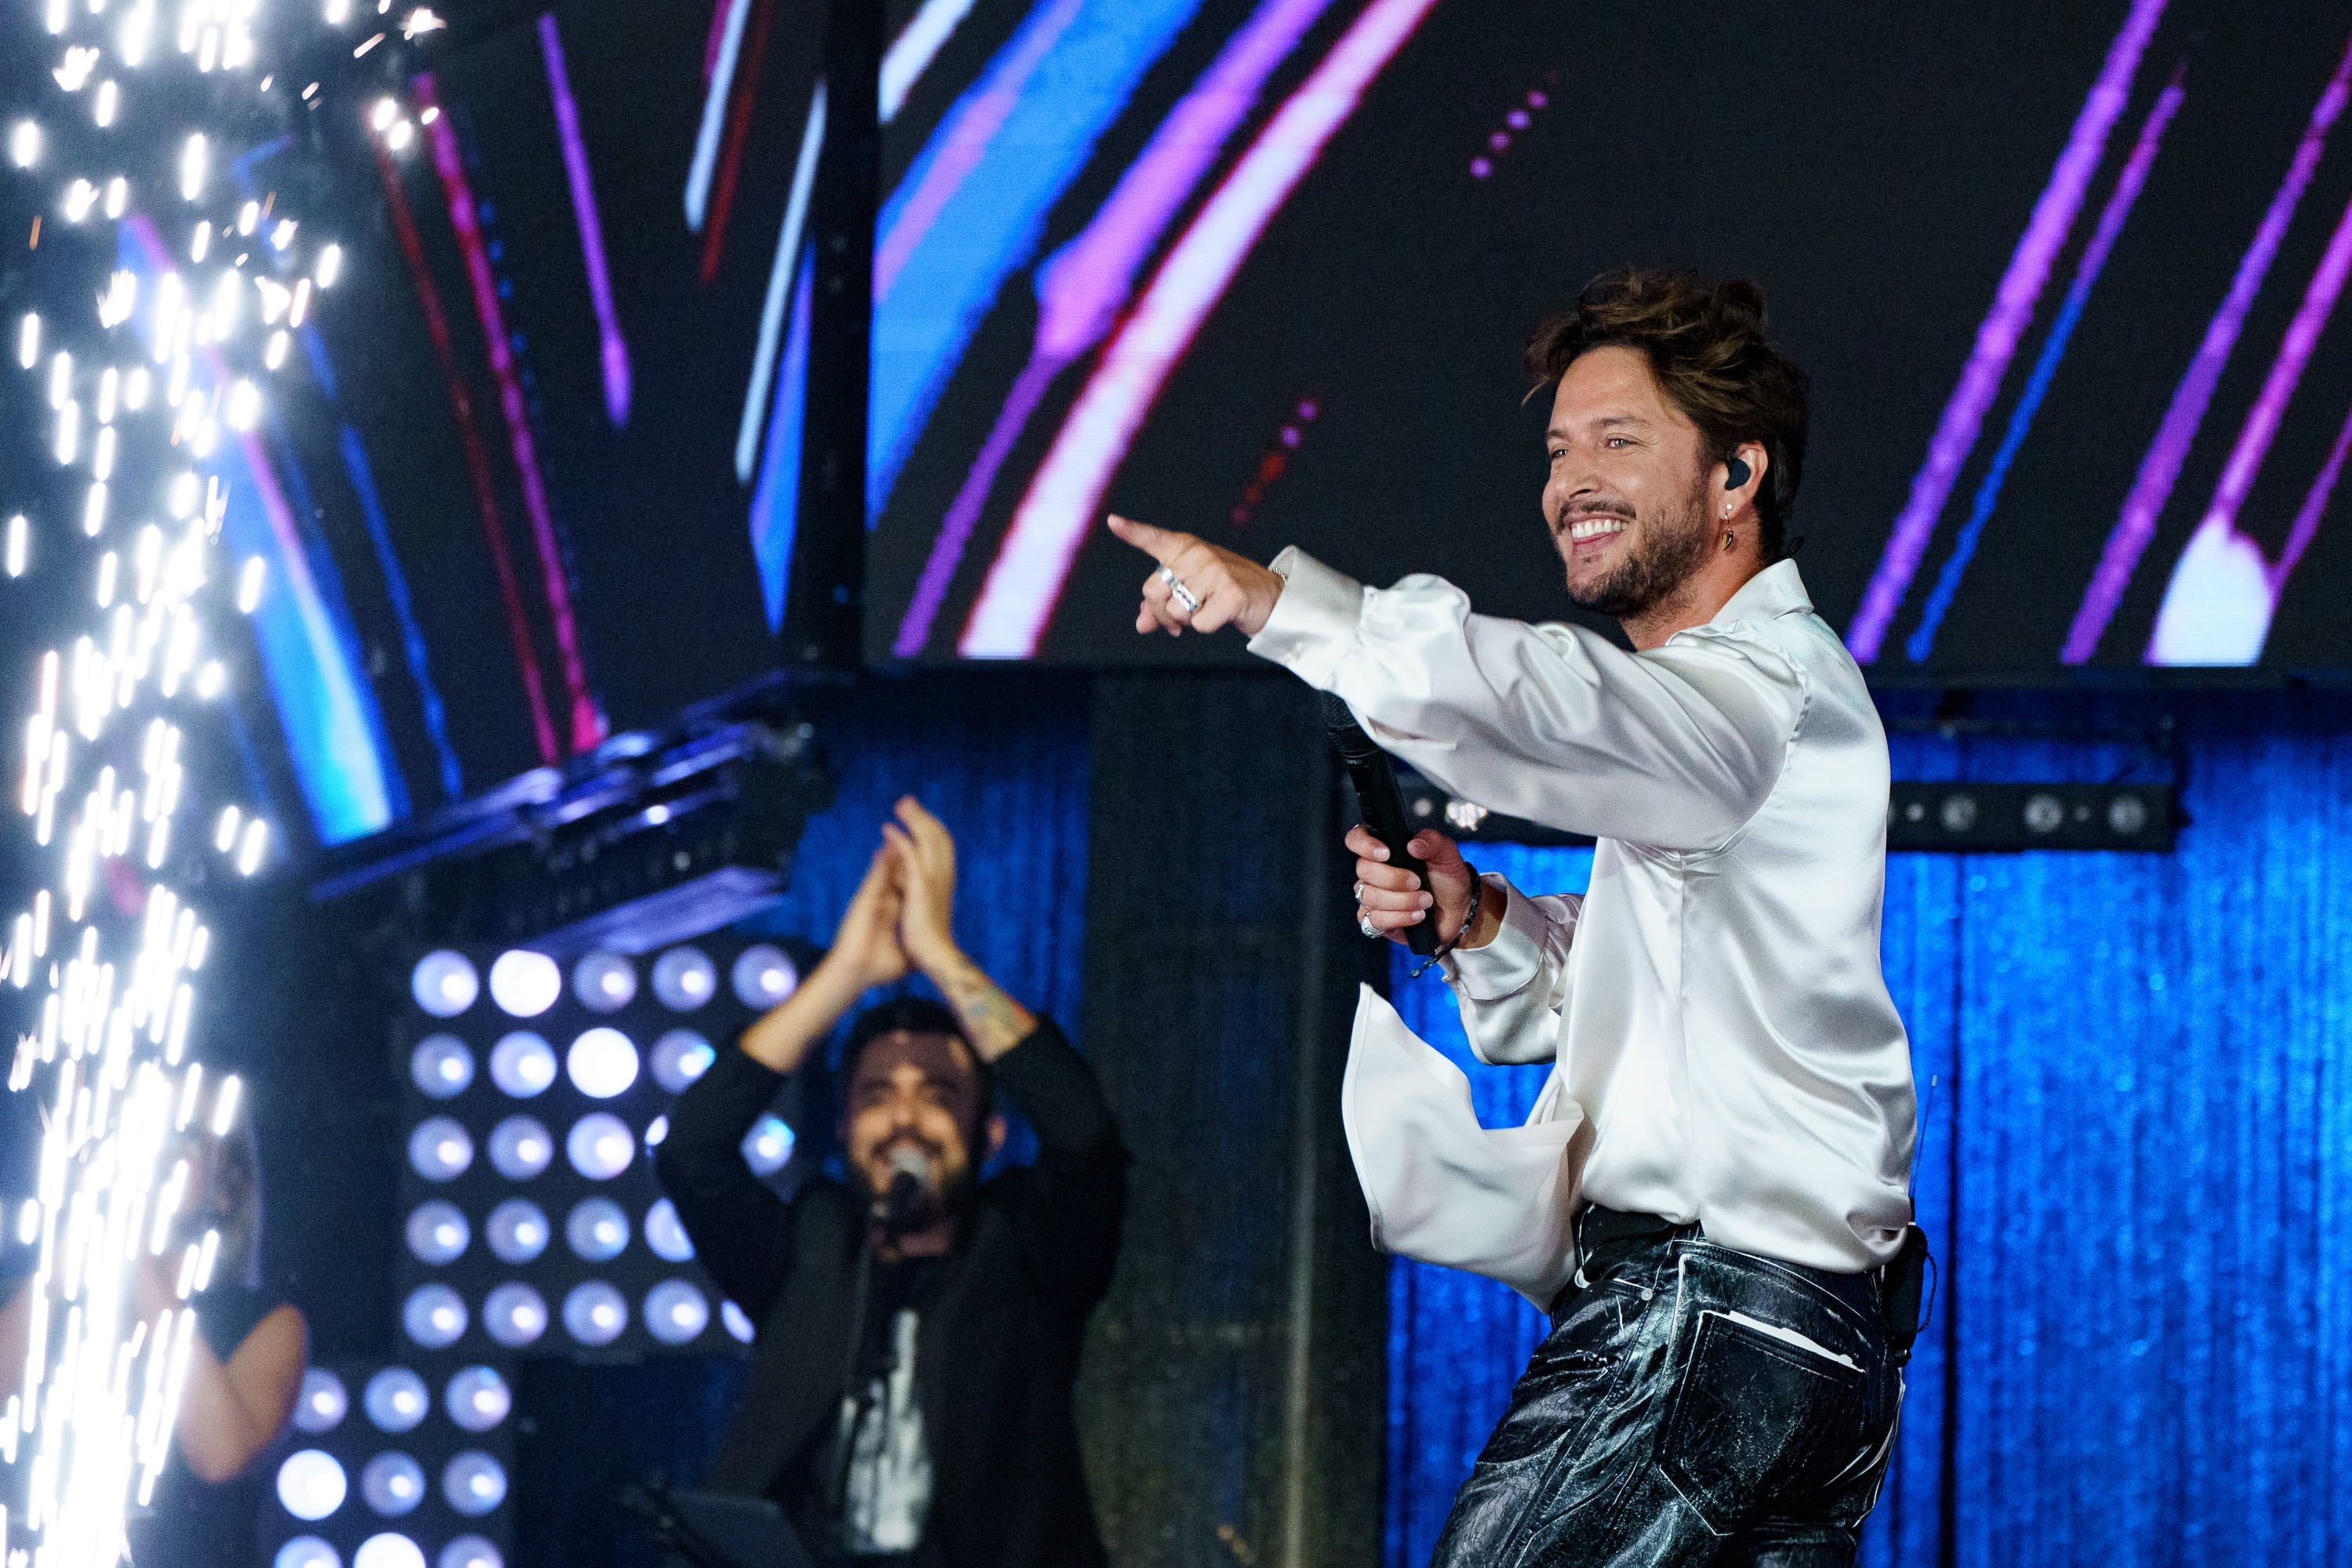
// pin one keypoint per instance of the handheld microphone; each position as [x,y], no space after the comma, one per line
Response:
[896,1205]
[1374,776]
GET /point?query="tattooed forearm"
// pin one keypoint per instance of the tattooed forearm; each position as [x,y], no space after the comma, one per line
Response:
[993,1021]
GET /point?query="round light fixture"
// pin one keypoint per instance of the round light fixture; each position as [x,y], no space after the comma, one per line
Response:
[763,975]
[684,979]
[396,1400]
[597,1229]
[600,1146]
[525,983]
[517,1230]
[665,1235]
[437,1233]
[677,1313]
[515,1315]
[440,1149]
[311,1484]
[679,1058]
[476,1398]
[444,984]
[602,1063]
[522,1064]
[605,981]
[392,1484]
[323,1401]
[473,1483]
[433,1315]
[520,1147]
[595,1313]
[441,1067]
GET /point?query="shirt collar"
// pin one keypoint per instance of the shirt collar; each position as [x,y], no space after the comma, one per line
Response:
[1772,593]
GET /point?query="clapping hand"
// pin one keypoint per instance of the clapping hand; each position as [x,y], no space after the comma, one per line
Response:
[867,944]
[924,854]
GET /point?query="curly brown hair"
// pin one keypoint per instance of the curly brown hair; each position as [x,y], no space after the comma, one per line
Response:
[1707,344]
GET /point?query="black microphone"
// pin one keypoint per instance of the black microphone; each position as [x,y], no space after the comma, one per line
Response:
[1374,776]
[902,1200]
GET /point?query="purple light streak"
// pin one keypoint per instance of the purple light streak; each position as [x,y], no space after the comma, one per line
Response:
[1083,285]
[1997,339]
[2178,636]
[587,724]
[2161,466]
[616,348]
[2314,509]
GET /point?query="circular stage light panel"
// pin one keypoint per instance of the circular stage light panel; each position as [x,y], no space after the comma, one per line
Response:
[677,1313]
[522,1064]
[311,1485]
[433,1315]
[600,1146]
[665,1235]
[444,984]
[517,1230]
[605,981]
[595,1313]
[392,1484]
[525,983]
[679,1058]
[763,975]
[441,1066]
[515,1315]
[323,1401]
[389,1550]
[440,1149]
[738,1321]
[602,1063]
[473,1483]
[597,1229]
[476,1398]
[768,1147]
[520,1147]
[396,1400]
[437,1233]
[469,1551]
[684,979]
[306,1551]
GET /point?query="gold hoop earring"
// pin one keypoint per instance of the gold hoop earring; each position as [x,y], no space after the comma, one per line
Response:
[1728,537]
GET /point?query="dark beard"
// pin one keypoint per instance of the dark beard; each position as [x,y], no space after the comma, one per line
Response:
[1654,568]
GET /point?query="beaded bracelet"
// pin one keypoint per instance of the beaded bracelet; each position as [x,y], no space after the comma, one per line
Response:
[1469,919]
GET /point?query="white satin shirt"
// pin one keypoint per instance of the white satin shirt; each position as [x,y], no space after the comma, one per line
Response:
[1712,1005]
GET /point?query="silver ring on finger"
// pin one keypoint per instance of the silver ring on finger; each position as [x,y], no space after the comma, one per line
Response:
[1359,893]
[1364,923]
[1177,592]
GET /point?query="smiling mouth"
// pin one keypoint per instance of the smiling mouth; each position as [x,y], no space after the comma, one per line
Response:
[1593,532]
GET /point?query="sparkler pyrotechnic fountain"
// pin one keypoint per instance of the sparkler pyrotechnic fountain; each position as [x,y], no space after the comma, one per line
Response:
[147,396]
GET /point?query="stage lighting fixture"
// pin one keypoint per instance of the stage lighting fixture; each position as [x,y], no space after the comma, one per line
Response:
[597,1230]
[396,1400]
[655,1131]
[600,1146]
[518,1230]
[437,1233]
[677,1313]
[1959,813]
[307,1551]
[520,1147]
[679,1058]
[442,1066]
[764,976]
[525,983]
[433,1315]
[311,1484]
[768,1147]
[469,1551]
[389,1550]
[515,1315]
[684,979]
[476,1398]
[473,1483]
[444,984]
[738,1321]
[605,981]
[602,1063]
[392,1484]
[323,1401]
[665,1235]
[440,1149]
[522,1064]
[595,1313]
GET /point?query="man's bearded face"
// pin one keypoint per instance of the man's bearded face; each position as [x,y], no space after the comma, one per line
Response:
[1625,496]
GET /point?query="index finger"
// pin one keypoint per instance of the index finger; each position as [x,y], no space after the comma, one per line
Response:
[1161,543]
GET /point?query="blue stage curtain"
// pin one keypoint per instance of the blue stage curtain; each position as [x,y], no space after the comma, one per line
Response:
[2135,1173]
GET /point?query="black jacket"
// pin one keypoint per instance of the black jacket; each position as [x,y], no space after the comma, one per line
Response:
[999,1347]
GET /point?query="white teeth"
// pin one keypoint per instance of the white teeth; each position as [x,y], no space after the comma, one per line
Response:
[1595,528]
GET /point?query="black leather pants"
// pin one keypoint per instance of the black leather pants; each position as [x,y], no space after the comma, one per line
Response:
[1691,1405]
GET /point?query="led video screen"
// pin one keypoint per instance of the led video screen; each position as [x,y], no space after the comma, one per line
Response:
[2064,277]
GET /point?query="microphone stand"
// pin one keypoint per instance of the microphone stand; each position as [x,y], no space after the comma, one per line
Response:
[650,1503]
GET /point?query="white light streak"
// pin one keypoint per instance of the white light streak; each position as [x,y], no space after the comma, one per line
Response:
[109,393]
[248,218]
[244,405]
[225,1102]
[109,97]
[256,845]
[69,437]
[19,541]
[283,235]
[338,12]
[118,195]
[224,835]
[274,355]
[102,454]
[381,117]
[93,511]
[196,162]
[25,144]
[28,340]
[401,134]
[60,382]
[331,265]
[79,196]
[201,242]
[249,583]
[108,567]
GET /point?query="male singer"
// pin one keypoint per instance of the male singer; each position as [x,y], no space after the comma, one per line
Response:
[1720,1383]
[919,1328]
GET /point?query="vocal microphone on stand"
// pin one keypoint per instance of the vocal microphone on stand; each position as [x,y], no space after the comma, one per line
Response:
[1374,776]
[897,1207]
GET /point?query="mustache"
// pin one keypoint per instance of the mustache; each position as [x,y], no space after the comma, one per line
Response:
[1580,509]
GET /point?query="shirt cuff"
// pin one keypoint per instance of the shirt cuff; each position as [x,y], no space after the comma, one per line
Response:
[1314,622]
[1504,965]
